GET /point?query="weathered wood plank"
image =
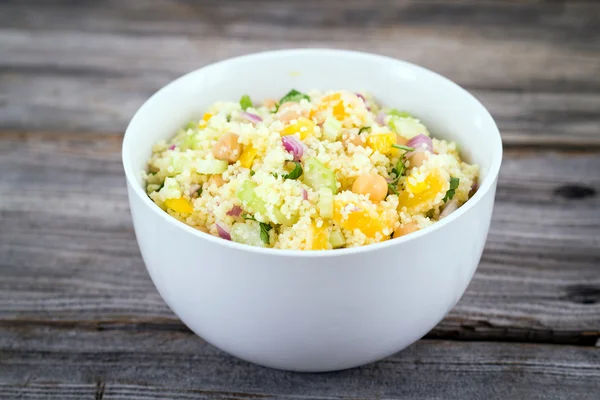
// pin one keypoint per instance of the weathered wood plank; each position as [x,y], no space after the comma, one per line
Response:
[68,252]
[88,67]
[178,365]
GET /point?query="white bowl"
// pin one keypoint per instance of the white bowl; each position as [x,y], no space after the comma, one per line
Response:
[314,310]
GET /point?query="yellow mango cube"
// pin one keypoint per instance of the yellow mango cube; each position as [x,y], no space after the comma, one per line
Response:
[382,142]
[180,205]
[367,222]
[419,194]
[318,237]
[304,127]
[247,157]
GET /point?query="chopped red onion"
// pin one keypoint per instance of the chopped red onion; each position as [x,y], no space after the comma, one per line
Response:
[449,208]
[223,231]
[304,194]
[255,119]
[235,211]
[172,147]
[421,141]
[380,119]
[360,96]
[474,188]
[294,146]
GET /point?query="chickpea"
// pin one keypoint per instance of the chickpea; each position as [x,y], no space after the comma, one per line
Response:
[216,180]
[290,111]
[372,184]
[269,103]
[228,148]
[356,140]
[406,229]
[401,140]
[418,158]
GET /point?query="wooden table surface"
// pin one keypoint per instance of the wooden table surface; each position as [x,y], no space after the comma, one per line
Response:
[79,317]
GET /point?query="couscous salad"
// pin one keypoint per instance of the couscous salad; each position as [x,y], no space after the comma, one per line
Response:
[310,171]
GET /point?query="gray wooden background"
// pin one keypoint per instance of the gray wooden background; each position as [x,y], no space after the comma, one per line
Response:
[79,317]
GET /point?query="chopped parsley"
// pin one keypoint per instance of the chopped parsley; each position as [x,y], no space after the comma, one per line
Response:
[264,232]
[248,216]
[402,147]
[398,171]
[453,186]
[294,96]
[245,102]
[252,172]
[296,172]
[199,191]
[161,186]
[400,167]
[364,128]
[401,114]
[392,188]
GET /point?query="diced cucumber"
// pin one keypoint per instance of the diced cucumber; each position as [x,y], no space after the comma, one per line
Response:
[337,239]
[283,219]
[325,204]
[211,166]
[247,194]
[408,127]
[318,176]
[247,233]
[332,129]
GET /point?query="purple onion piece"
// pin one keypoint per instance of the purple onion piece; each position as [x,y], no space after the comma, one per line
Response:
[360,96]
[235,211]
[255,119]
[172,147]
[223,231]
[380,118]
[449,208]
[294,146]
[304,194]
[421,141]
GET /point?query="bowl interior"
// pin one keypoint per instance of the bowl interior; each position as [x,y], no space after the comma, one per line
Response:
[449,111]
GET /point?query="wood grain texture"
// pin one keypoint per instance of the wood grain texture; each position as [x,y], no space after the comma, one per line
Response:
[68,252]
[178,365]
[79,317]
[87,66]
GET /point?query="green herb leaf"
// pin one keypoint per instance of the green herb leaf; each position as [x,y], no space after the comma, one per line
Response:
[199,191]
[264,232]
[397,176]
[364,128]
[401,114]
[400,167]
[453,186]
[161,186]
[296,173]
[293,95]
[252,172]
[248,216]
[245,102]
[402,147]
[392,188]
